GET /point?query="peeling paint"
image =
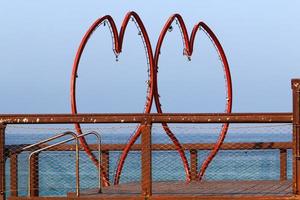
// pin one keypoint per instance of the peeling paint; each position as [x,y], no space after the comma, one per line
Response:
[38,120]
[25,120]
[122,120]
[95,121]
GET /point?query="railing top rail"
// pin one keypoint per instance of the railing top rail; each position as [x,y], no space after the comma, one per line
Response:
[142,118]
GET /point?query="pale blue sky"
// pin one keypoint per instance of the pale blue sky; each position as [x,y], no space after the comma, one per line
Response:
[38,42]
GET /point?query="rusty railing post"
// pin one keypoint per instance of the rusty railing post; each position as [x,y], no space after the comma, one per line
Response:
[146,156]
[13,174]
[2,161]
[194,163]
[34,176]
[283,164]
[296,135]
[105,165]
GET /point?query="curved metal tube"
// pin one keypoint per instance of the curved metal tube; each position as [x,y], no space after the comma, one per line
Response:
[156,94]
[74,76]
[188,51]
[53,145]
[152,87]
[118,41]
[75,137]
[228,81]
[48,140]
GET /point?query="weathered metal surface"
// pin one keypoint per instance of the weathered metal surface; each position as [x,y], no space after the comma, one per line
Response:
[188,51]
[34,176]
[283,164]
[146,160]
[104,162]
[139,118]
[118,42]
[296,135]
[158,118]
[2,162]
[194,163]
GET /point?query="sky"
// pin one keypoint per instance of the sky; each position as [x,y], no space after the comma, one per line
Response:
[39,39]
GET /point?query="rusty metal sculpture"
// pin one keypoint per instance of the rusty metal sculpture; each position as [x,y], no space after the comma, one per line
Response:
[152,89]
[188,51]
[117,48]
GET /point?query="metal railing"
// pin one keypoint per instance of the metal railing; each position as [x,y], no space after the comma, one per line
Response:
[148,119]
[32,188]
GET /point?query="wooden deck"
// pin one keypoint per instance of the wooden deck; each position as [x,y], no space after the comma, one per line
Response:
[204,188]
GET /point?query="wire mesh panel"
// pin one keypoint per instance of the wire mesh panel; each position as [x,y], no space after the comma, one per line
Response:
[250,153]
[17,138]
[132,168]
[243,165]
[56,173]
[124,165]
[48,171]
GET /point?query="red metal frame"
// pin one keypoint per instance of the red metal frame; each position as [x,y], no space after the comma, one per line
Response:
[118,41]
[188,50]
[152,86]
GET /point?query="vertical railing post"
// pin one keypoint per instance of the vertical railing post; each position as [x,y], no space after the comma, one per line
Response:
[13,174]
[2,161]
[105,165]
[194,163]
[146,159]
[296,135]
[34,175]
[283,164]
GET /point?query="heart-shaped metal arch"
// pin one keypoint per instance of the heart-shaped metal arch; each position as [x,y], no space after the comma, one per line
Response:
[117,47]
[188,51]
[152,86]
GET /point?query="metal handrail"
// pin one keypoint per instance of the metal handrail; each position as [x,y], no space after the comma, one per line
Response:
[50,139]
[50,146]
[77,159]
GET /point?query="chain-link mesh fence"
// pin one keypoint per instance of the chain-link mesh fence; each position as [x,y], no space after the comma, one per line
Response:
[251,152]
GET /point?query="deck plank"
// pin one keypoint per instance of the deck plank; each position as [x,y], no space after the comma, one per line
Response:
[206,188]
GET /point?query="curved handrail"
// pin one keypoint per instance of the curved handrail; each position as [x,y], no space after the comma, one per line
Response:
[50,146]
[49,139]
[77,158]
